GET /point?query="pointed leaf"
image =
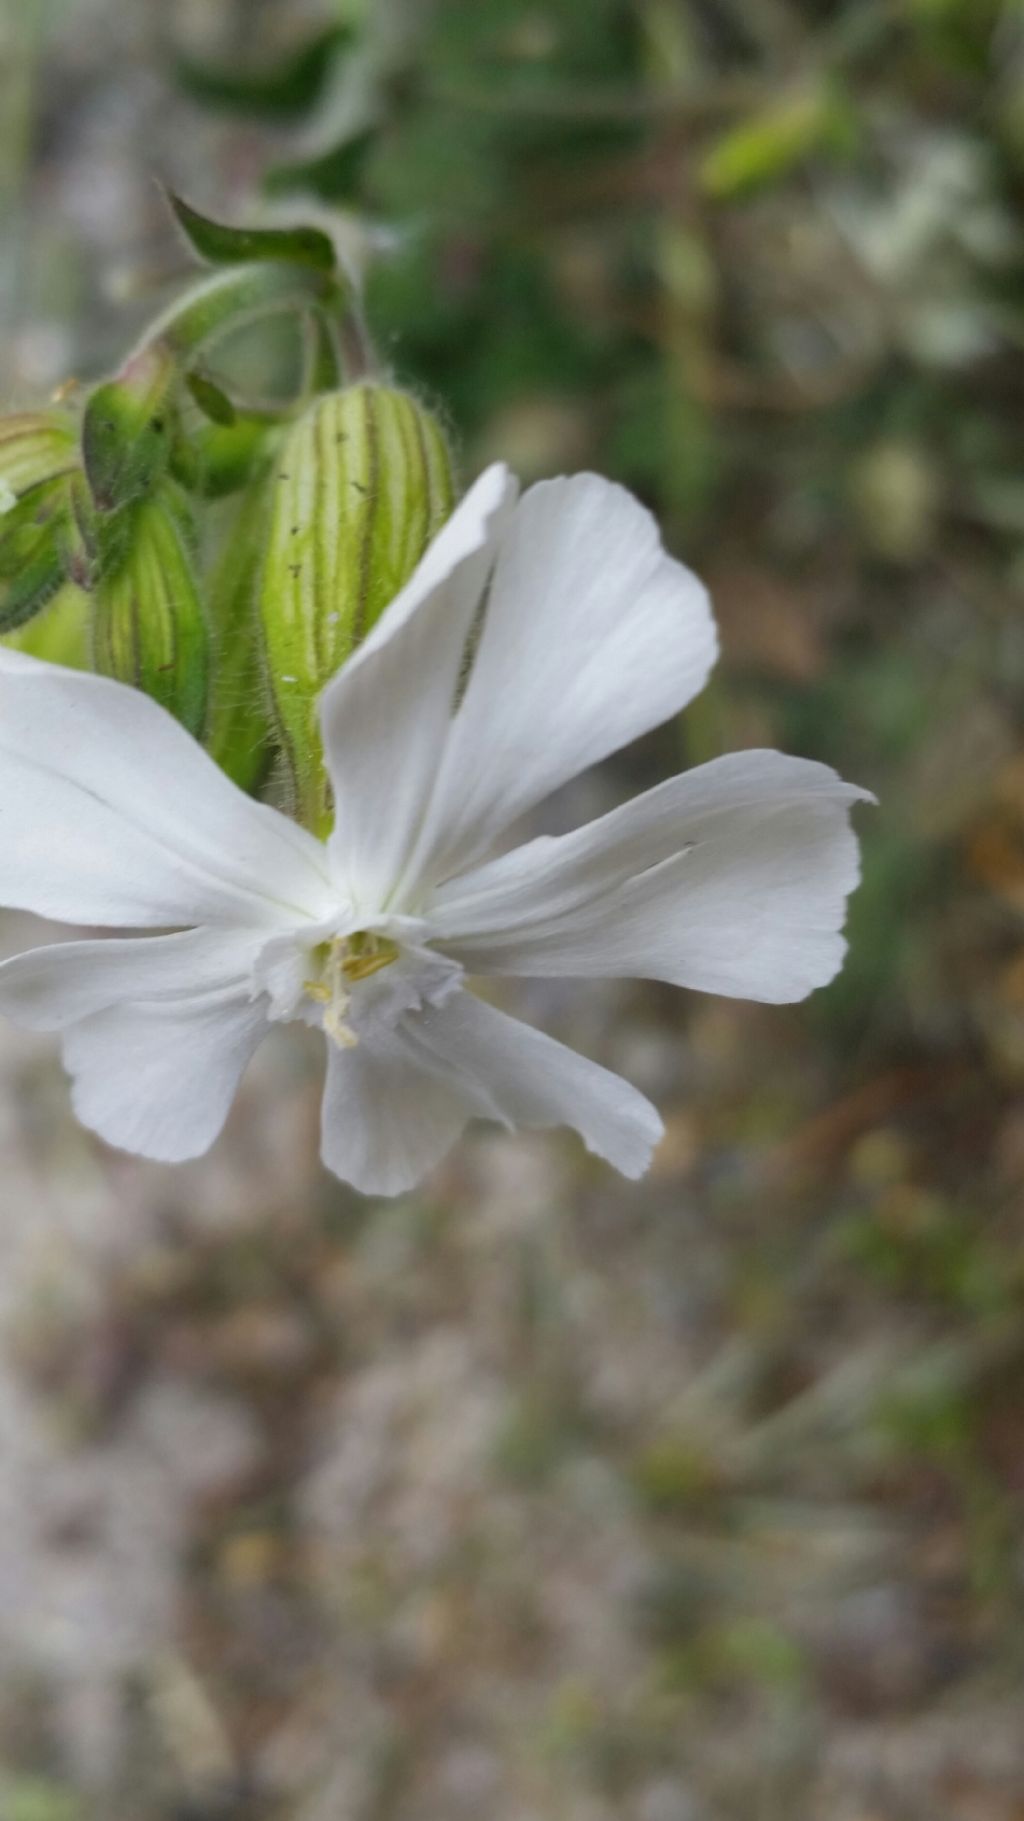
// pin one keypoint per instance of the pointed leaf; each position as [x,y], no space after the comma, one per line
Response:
[213,402]
[221,245]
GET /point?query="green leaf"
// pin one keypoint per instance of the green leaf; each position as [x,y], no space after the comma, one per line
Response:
[283,93]
[221,245]
[213,402]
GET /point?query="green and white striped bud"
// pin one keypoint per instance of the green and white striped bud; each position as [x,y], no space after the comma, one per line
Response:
[149,623]
[363,482]
[35,446]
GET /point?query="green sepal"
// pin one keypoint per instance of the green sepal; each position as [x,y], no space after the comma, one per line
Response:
[127,430]
[283,93]
[149,625]
[221,245]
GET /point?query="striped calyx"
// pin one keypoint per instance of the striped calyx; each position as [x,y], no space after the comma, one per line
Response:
[149,625]
[238,733]
[363,482]
[35,446]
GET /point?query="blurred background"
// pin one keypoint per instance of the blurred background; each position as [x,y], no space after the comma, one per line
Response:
[538,1496]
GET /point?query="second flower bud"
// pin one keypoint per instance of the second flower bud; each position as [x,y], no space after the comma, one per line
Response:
[363,483]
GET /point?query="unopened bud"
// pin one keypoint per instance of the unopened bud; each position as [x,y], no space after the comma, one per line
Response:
[363,482]
[35,446]
[149,625]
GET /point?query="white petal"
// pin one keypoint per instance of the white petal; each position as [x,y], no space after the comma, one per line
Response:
[50,988]
[732,879]
[111,814]
[527,1079]
[392,1109]
[592,635]
[387,1118]
[158,1079]
[386,716]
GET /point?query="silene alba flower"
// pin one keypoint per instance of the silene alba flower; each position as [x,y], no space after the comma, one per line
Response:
[538,635]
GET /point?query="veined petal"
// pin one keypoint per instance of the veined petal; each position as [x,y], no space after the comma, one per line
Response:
[52,987]
[731,879]
[386,716]
[158,1078]
[592,635]
[387,1117]
[395,1105]
[111,814]
[524,1078]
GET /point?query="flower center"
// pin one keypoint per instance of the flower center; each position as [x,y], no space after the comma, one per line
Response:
[342,963]
[353,984]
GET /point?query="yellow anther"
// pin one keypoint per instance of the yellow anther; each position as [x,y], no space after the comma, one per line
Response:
[360,967]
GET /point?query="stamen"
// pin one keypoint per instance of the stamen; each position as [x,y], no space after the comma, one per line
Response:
[360,967]
[347,960]
[334,1024]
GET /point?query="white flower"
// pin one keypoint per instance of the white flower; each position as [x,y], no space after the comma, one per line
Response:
[731,879]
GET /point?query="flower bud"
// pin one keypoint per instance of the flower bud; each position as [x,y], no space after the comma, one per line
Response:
[149,625]
[362,484]
[35,446]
